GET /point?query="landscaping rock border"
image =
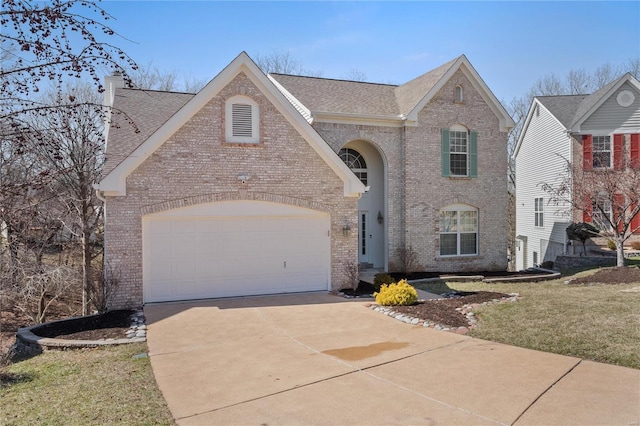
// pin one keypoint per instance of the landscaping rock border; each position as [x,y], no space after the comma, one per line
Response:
[466,310]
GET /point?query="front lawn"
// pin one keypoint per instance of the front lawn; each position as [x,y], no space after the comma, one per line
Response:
[110,385]
[600,322]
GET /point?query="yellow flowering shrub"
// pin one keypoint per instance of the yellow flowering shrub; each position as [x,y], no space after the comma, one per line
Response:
[398,294]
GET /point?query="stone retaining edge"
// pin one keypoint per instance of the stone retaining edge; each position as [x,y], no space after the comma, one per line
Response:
[29,343]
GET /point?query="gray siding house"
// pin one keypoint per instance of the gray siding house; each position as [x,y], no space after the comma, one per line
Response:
[275,183]
[581,130]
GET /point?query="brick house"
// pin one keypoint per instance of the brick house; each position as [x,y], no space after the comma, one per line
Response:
[594,132]
[275,183]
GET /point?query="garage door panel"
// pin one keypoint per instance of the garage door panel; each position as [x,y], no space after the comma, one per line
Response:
[159,270]
[208,226]
[182,247]
[183,227]
[188,257]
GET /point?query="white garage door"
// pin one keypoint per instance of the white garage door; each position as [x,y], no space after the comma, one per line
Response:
[236,248]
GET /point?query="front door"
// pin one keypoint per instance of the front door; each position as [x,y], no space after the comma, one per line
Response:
[363,237]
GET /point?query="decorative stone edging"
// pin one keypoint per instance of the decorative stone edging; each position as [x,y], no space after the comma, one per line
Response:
[28,343]
[466,310]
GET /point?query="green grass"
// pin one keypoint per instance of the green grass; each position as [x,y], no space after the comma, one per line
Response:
[83,387]
[597,322]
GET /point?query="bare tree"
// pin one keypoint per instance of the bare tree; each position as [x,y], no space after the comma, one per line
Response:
[76,163]
[44,45]
[549,86]
[605,74]
[355,74]
[152,78]
[608,197]
[49,43]
[38,289]
[579,82]
[280,62]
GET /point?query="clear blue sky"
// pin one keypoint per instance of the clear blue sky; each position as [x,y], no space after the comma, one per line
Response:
[511,44]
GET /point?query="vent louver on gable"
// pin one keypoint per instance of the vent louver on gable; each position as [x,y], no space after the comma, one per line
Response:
[242,120]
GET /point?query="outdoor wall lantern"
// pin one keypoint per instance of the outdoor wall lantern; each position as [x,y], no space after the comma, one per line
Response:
[346,229]
[380,217]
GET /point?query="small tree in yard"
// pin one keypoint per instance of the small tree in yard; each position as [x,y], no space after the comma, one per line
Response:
[580,231]
[352,274]
[607,197]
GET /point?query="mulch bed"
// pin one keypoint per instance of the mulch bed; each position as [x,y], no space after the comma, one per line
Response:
[439,311]
[443,311]
[487,274]
[111,325]
[616,275]
[97,334]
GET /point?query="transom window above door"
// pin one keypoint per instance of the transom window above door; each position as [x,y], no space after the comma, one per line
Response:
[355,161]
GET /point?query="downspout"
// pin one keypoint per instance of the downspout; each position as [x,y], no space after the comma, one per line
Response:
[104,234]
[570,136]
[403,155]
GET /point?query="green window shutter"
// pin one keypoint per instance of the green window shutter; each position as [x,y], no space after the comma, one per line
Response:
[473,154]
[445,153]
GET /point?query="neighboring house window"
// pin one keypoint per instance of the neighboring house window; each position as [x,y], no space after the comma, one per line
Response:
[354,160]
[535,258]
[634,150]
[601,213]
[458,231]
[242,120]
[601,151]
[459,152]
[539,212]
[458,96]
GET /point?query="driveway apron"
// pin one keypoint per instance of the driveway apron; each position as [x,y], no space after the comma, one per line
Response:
[315,358]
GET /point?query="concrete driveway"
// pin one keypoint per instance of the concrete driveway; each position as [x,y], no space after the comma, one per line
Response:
[321,359]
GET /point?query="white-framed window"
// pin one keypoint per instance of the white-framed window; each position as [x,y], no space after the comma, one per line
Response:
[538,212]
[602,151]
[458,94]
[459,152]
[458,230]
[601,213]
[355,161]
[242,120]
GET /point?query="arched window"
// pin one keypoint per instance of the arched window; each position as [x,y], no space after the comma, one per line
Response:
[458,95]
[242,120]
[355,161]
[459,230]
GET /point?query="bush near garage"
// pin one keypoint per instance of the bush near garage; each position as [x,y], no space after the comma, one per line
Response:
[396,294]
[380,279]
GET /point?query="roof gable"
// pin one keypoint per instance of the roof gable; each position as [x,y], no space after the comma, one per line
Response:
[433,81]
[114,183]
[559,108]
[134,104]
[594,101]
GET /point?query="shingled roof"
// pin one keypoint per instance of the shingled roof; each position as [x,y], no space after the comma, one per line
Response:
[411,93]
[148,109]
[341,96]
[355,97]
[563,107]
